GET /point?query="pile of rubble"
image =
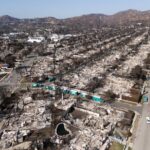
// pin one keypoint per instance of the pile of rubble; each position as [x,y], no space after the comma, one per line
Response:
[30,115]
[41,66]
[99,125]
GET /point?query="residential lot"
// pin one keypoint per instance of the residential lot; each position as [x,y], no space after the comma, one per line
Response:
[74,92]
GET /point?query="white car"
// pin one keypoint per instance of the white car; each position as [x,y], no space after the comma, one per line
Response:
[148,120]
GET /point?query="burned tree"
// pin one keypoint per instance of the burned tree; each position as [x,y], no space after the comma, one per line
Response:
[10,59]
[110,95]
[138,73]
[147,62]
[94,83]
[2,93]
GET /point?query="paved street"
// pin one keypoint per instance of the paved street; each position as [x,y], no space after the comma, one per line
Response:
[13,80]
[127,106]
[142,141]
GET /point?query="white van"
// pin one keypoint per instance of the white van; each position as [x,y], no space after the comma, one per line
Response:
[148,120]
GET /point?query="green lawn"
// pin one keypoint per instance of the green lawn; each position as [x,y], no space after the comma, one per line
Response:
[129,148]
[116,146]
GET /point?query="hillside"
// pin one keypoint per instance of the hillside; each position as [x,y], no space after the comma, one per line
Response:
[79,23]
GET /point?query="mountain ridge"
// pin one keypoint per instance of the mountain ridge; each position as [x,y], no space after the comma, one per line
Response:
[87,21]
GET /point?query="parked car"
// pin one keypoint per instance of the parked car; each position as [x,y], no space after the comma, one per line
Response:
[148,120]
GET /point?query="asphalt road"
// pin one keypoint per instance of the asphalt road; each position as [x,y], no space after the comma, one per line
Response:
[142,140]
[127,106]
[13,80]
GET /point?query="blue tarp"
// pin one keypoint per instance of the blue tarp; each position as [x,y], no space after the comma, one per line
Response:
[145,98]
[73,92]
[51,79]
[97,99]
[37,85]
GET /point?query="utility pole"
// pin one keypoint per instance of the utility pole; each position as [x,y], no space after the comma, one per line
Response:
[54,68]
[54,59]
[57,76]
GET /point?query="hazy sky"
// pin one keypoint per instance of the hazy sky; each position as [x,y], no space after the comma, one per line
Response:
[67,8]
